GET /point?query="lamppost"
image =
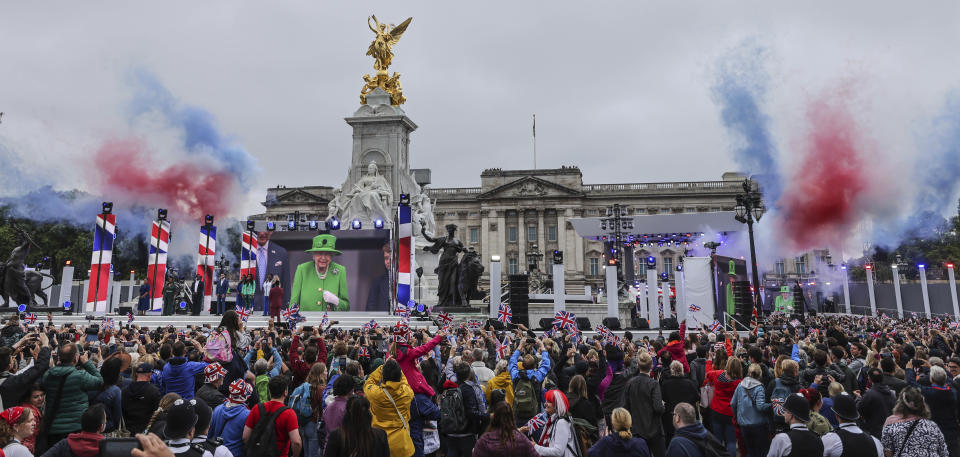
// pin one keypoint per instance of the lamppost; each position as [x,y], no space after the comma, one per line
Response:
[534,256]
[614,224]
[749,209]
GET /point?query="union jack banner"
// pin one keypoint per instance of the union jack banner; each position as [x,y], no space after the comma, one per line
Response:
[777,406]
[716,325]
[575,338]
[31,318]
[444,318]
[401,309]
[243,312]
[505,315]
[474,324]
[502,349]
[103,237]
[363,352]
[108,323]
[602,330]
[404,253]
[325,320]
[548,333]
[535,423]
[564,319]
[372,325]
[399,337]
[613,339]
[129,318]
[157,262]
[206,260]
[954,324]
[248,254]
[795,323]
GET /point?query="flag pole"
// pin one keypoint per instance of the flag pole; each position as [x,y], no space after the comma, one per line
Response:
[534,141]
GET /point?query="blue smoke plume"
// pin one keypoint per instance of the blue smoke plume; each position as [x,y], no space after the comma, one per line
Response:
[201,136]
[938,169]
[739,89]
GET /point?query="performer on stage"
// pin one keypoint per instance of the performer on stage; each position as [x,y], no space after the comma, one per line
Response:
[784,303]
[271,259]
[198,294]
[731,278]
[321,285]
[223,288]
[143,301]
[169,295]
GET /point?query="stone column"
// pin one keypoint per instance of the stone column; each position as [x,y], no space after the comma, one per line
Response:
[486,248]
[541,239]
[502,235]
[578,248]
[522,239]
[562,233]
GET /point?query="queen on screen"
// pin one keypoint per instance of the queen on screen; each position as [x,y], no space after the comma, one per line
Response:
[321,285]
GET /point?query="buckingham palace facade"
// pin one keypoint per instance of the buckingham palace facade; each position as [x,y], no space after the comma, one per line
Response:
[514,210]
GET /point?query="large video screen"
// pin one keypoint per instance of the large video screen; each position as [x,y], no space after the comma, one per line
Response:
[356,279]
[728,269]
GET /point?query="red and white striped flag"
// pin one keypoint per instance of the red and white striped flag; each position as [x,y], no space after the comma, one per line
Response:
[206,260]
[248,254]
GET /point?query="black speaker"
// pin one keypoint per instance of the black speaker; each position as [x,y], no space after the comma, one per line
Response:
[611,323]
[743,303]
[583,323]
[520,299]
[546,323]
[497,325]
[124,310]
[669,323]
[640,323]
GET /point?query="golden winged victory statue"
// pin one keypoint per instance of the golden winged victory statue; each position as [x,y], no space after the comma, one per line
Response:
[381,49]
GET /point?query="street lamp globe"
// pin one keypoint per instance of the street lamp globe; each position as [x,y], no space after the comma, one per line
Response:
[758,209]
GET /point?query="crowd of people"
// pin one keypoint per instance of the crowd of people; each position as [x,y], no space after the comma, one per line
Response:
[828,385]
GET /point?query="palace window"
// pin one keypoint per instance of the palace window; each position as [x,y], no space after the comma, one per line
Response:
[642,267]
[666,210]
[532,233]
[552,233]
[512,234]
[474,235]
[594,266]
[668,266]
[512,266]
[781,268]
[801,264]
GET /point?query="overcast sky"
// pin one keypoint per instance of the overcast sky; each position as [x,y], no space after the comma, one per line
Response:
[620,89]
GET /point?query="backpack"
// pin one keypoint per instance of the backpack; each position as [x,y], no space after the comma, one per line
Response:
[263,439]
[709,446]
[300,401]
[218,347]
[526,399]
[262,390]
[585,435]
[453,417]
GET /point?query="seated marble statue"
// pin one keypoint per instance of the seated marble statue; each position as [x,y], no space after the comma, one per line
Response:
[369,198]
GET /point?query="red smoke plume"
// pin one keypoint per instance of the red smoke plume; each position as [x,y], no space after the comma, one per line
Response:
[821,202]
[128,173]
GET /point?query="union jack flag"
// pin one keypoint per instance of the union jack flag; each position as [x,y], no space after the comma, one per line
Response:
[505,315]
[795,323]
[30,318]
[613,339]
[954,324]
[363,352]
[445,318]
[325,320]
[502,350]
[129,318]
[157,262]
[206,260]
[535,423]
[777,406]
[716,325]
[372,325]
[399,337]
[474,324]
[100,265]
[248,254]
[564,319]
[108,323]
[401,309]
[602,330]
[243,312]
[289,314]
[548,333]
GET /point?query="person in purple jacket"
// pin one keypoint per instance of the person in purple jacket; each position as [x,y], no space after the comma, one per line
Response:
[179,374]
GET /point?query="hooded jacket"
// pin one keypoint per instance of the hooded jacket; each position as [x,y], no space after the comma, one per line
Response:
[227,424]
[877,403]
[81,444]
[73,401]
[139,400]
[408,364]
[788,381]
[178,376]
[518,446]
[421,410]
[503,382]
[676,350]
[749,393]
[681,446]
[614,446]
[385,414]
[211,395]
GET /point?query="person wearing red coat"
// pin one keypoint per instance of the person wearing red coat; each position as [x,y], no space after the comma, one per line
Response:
[675,347]
[407,358]
[724,384]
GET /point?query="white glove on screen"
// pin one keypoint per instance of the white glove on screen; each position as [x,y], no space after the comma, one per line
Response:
[330,298]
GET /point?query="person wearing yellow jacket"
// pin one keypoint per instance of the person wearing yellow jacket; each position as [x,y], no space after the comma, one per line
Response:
[390,397]
[501,380]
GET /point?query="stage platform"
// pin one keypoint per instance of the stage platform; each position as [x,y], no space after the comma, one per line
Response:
[348,320]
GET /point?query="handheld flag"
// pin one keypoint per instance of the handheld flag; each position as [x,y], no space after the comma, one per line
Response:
[564,319]
[505,315]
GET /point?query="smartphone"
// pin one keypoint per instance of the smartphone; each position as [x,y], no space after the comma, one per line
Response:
[116,447]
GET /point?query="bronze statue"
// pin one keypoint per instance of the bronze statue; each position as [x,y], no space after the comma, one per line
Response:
[448,291]
[381,49]
[470,270]
[13,274]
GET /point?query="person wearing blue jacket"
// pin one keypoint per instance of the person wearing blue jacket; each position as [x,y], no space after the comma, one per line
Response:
[751,411]
[277,361]
[179,374]
[422,409]
[229,418]
[538,374]
[689,432]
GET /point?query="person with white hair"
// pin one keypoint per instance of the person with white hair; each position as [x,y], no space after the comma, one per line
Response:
[557,439]
[941,398]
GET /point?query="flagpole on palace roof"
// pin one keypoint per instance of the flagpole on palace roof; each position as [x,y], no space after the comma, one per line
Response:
[534,141]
